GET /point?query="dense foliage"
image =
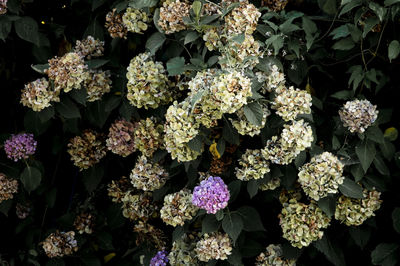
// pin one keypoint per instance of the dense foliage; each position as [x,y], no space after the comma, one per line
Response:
[199,132]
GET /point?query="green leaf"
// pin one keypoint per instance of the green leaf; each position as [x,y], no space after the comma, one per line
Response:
[379,10]
[233,225]
[254,113]
[344,44]
[396,219]
[34,124]
[287,27]
[332,252]
[375,134]
[46,114]
[80,96]
[370,23]
[366,153]
[343,95]
[308,25]
[350,189]
[381,166]
[360,235]
[97,3]
[104,239]
[252,188]
[96,63]
[92,177]
[276,41]
[138,4]
[31,178]
[40,68]
[251,219]
[349,6]
[155,41]
[393,50]
[340,32]
[68,109]
[234,189]
[391,2]
[196,6]
[5,27]
[356,77]
[5,206]
[328,205]
[357,171]
[385,254]
[229,133]
[239,38]
[209,224]
[328,6]
[175,66]
[95,29]
[27,29]
[96,113]
[196,144]
[191,37]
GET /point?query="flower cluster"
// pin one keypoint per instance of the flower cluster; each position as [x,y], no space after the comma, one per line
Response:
[149,234]
[138,206]
[59,244]
[20,146]
[275,5]
[214,246]
[97,84]
[114,25]
[3,7]
[252,166]
[117,189]
[272,81]
[178,208]
[67,72]
[295,138]
[89,47]
[171,16]
[244,127]
[135,20]
[242,19]
[38,94]
[8,187]
[211,195]
[84,223]
[270,184]
[358,115]
[273,257]
[148,136]
[183,250]
[121,138]
[321,176]
[147,175]
[352,211]
[22,210]
[301,223]
[291,102]
[160,259]
[147,82]
[86,150]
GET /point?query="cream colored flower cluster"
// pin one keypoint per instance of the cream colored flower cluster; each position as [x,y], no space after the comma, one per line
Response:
[178,208]
[121,139]
[89,47]
[295,138]
[60,244]
[252,166]
[321,176]
[114,25]
[355,211]
[147,82]
[183,250]
[67,72]
[38,95]
[147,175]
[138,206]
[291,102]
[273,257]
[272,81]
[242,19]
[301,223]
[98,84]
[150,234]
[171,16]
[148,136]
[291,194]
[86,150]
[214,246]
[8,187]
[358,115]
[271,184]
[84,223]
[244,127]
[135,20]
[117,189]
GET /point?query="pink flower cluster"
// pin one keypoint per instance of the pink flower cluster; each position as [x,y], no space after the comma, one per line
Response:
[20,146]
[211,195]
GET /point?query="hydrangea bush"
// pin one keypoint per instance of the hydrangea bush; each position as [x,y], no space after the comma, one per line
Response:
[176,132]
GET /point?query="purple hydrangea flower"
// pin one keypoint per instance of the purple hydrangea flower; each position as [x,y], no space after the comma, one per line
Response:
[20,146]
[212,194]
[160,259]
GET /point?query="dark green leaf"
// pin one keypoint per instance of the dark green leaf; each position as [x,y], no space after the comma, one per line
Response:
[239,38]
[191,37]
[104,239]
[381,166]
[254,113]
[5,206]
[196,144]
[333,252]
[385,254]
[138,4]
[343,95]
[328,205]
[155,41]
[396,219]
[5,27]
[357,171]
[393,50]
[46,114]
[251,219]
[391,2]
[31,178]
[340,32]
[232,225]
[175,66]
[388,149]
[328,6]
[27,29]
[34,124]
[92,177]
[68,109]
[229,133]
[209,224]
[252,188]
[80,96]
[40,68]
[366,153]
[350,189]
[96,63]
[344,44]
[349,6]
[360,235]
[95,29]
[375,134]
[234,189]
